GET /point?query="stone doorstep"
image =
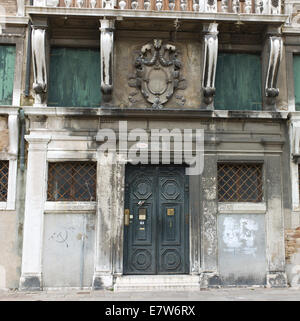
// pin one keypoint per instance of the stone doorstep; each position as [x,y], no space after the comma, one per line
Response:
[157,282]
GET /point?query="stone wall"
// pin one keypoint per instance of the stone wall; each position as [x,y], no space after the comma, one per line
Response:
[10,6]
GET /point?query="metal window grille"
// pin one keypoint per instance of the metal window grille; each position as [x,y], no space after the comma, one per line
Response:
[4,165]
[72,181]
[240,183]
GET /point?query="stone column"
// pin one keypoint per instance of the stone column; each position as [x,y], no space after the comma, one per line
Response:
[103,274]
[210,54]
[106,57]
[276,276]
[39,59]
[31,278]
[209,222]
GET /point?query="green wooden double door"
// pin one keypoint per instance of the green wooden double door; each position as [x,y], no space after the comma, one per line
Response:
[157,223]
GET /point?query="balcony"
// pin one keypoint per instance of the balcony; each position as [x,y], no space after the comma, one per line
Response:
[272,7]
[263,11]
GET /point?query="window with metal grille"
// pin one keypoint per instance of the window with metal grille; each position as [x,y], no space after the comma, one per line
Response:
[240,182]
[4,165]
[72,181]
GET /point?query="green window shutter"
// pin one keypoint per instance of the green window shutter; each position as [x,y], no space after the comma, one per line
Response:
[74,78]
[238,82]
[7,73]
[296,62]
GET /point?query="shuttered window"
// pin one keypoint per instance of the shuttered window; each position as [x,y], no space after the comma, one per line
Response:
[7,72]
[74,77]
[238,82]
[296,61]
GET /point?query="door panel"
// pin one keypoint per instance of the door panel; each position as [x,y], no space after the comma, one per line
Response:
[156,240]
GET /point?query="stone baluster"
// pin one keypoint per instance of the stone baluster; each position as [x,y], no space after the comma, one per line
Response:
[248,6]
[172,4]
[183,5]
[147,4]
[210,6]
[93,3]
[195,5]
[275,6]
[134,4]
[79,3]
[108,4]
[122,4]
[236,6]
[68,3]
[158,5]
[224,5]
[259,6]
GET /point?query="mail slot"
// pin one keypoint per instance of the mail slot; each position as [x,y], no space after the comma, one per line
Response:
[170,211]
[142,214]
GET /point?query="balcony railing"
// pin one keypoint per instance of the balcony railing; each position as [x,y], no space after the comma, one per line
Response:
[272,7]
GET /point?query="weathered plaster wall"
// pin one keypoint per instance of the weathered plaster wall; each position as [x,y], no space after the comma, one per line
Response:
[9,259]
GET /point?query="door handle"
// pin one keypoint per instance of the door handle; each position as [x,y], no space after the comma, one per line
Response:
[126,217]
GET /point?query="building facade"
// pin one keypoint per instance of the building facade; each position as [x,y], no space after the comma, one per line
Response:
[87,199]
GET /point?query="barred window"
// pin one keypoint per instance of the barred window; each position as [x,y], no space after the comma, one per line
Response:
[240,182]
[72,181]
[4,165]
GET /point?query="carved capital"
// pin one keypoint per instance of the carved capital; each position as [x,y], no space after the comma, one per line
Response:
[210,54]
[275,44]
[106,57]
[39,35]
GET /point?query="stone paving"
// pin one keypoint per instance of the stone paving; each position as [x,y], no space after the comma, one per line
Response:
[224,294]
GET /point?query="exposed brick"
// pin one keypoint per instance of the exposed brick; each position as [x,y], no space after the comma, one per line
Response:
[292,242]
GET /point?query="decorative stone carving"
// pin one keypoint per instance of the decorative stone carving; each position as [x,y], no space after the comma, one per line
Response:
[106,57]
[210,61]
[275,55]
[158,73]
[39,64]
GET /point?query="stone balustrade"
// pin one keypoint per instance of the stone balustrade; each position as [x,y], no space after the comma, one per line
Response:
[272,7]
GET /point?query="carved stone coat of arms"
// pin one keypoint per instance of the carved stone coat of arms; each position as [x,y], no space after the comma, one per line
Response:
[157,73]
